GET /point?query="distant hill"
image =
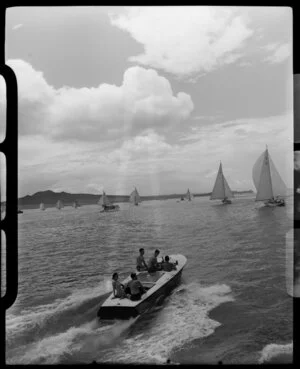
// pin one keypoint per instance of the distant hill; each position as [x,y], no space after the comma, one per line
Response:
[50,198]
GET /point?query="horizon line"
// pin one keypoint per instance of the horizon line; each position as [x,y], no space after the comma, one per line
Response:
[166,194]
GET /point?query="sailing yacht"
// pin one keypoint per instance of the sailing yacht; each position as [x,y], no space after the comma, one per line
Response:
[135,197]
[269,185]
[221,188]
[42,206]
[106,204]
[188,195]
[59,205]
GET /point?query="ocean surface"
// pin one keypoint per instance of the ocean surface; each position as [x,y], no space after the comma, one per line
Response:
[232,304]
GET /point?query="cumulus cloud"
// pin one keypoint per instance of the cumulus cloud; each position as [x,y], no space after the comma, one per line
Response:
[279,53]
[185,40]
[144,100]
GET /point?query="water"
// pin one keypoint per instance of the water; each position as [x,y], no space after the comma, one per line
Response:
[232,304]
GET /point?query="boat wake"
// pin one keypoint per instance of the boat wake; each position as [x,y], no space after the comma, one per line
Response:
[276,354]
[183,319]
[67,331]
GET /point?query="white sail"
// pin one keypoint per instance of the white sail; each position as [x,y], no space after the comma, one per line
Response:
[104,200]
[278,186]
[228,193]
[135,197]
[59,204]
[221,188]
[266,178]
[75,204]
[189,195]
[42,206]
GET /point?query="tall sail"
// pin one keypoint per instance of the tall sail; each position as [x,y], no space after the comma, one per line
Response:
[266,178]
[75,204]
[221,188]
[188,195]
[42,206]
[135,197]
[279,187]
[104,200]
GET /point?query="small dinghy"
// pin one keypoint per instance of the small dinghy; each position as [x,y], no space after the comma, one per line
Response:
[158,285]
[135,197]
[189,196]
[107,206]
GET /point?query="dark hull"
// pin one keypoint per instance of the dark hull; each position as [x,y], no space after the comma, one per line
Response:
[126,312]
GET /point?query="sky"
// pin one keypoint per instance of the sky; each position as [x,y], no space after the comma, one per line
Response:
[154,97]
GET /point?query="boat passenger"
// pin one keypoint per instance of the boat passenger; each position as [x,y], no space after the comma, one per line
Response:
[167,266]
[118,287]
[153,264]
[140,261]
[136,288]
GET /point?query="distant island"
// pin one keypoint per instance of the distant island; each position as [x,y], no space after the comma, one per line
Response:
[50,198]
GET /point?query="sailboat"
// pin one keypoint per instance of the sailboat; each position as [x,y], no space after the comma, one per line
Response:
[269,185]
[135,197]
[188,195]
[75,204]
[106,204]
[221,188]
[42,206]
[59,205]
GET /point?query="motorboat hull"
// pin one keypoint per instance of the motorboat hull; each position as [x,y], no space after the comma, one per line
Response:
[126,312]
[127,309]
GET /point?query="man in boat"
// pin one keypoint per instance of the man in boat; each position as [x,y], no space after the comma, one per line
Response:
[135,288]
[140,261]
[118,287]
[153,264]
[167,266]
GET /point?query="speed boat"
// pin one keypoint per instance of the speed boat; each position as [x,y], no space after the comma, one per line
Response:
[157,285]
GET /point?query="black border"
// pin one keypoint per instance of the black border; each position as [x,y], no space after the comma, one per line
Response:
[9,146]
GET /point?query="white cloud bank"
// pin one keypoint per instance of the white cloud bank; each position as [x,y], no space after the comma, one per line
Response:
[144,100]
[185,40]
[149,162]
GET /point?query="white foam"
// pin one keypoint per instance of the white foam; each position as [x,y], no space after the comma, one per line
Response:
[39,315]
[184,319]
[83,340]
[272,350]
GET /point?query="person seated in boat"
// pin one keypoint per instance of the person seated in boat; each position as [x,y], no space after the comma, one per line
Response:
[140,261]
[153,264]
[135,288]
[118,287]
[167,266]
